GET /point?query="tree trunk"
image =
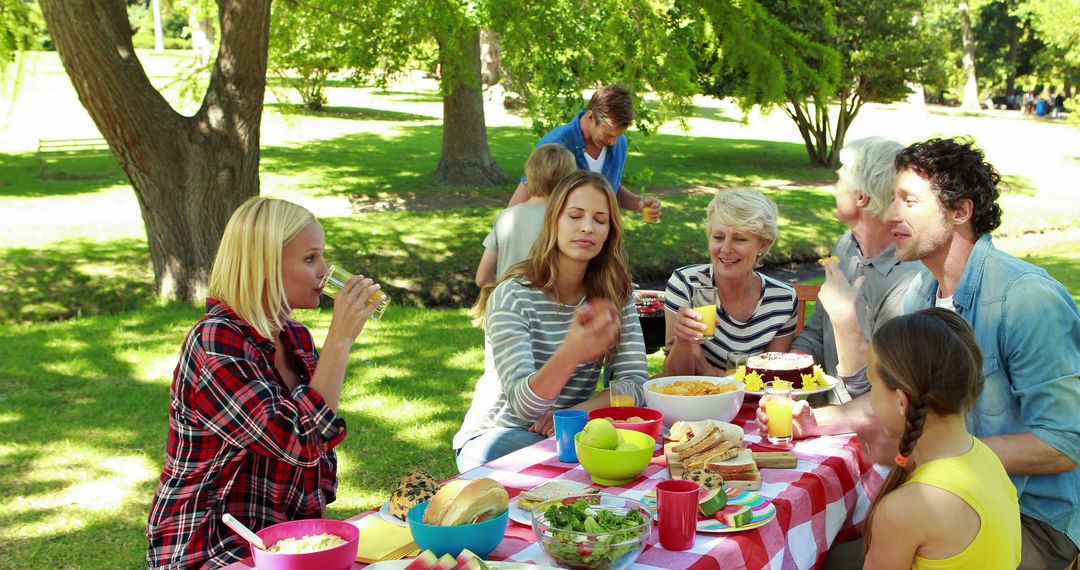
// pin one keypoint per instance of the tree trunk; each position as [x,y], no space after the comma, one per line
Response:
[189,173]
[490,57]
[971,86]
[466,159]
[1010,58]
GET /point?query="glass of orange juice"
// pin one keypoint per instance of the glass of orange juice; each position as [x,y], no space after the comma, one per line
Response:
[703,300]
[648,214]
[622,393]
[336,278]
[778,408]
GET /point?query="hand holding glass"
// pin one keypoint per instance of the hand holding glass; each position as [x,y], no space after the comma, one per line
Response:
[336,278]
[778,408]
[703,300]
[648,213]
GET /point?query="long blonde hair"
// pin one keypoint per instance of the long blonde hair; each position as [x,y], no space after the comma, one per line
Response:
[247,269]
[933,357]
[606,277]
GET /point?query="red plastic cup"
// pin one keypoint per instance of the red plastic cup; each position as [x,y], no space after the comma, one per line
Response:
[677,507]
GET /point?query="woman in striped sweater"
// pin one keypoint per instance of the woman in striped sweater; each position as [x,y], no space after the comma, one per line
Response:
[755,313]
[550,325]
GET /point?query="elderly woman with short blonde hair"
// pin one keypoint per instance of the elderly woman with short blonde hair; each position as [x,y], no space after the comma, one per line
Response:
[755,313]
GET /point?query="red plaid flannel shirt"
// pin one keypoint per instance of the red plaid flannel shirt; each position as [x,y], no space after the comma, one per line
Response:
[239,443]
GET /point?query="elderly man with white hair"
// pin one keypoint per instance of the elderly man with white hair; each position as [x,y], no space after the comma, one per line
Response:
[865,284]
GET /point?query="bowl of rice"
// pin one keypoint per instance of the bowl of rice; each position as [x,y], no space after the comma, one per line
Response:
[306,544]
[693,398]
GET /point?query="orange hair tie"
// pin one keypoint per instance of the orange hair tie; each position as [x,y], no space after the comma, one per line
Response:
[901,461]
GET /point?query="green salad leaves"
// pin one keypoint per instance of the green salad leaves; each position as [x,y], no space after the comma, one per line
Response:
[611,536]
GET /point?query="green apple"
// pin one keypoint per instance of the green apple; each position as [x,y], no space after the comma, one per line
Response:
[600,433]
[627,446]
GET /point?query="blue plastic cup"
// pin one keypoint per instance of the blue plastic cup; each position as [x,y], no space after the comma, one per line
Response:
[567,424]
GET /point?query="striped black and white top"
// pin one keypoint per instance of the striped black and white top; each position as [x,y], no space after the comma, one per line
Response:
[774,316]
[523,329]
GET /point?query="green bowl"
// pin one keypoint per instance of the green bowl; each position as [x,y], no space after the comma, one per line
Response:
[610,467]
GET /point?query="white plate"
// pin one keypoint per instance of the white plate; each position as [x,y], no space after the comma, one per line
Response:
[763,510]
[524,516]
[832,382]
[505,565]
[385,514]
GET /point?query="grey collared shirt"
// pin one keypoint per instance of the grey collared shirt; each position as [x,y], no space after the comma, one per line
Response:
[881,298]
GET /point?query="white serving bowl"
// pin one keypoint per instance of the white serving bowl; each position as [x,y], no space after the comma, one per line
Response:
[721,407]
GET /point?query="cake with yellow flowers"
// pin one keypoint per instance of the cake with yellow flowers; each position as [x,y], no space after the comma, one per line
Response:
[788,366]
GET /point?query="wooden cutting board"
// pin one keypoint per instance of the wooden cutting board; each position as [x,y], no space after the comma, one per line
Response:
[775,459]
[675,468]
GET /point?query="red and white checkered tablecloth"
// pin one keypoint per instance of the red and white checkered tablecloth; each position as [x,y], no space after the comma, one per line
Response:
[817,502]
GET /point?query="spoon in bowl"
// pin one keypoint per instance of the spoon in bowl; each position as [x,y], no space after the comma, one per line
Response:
[243,531]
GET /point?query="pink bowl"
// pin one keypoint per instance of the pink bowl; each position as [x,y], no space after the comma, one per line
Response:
[653,419]
[339,558]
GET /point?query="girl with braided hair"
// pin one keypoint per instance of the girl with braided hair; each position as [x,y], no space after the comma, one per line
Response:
[948,502]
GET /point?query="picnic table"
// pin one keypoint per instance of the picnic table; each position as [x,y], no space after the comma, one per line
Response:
[818,502]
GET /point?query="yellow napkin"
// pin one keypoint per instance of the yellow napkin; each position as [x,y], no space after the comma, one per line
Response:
[380,539]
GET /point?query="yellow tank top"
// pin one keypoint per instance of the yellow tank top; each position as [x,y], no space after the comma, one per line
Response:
[980,480]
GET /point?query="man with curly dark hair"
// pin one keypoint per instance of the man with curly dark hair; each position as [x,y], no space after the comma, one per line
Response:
[1028,327]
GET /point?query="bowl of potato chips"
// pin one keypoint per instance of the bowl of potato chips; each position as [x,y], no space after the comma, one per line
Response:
[692,398]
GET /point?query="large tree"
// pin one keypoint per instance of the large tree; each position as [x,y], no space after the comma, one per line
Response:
[377,39]
[189,173]
[874,49]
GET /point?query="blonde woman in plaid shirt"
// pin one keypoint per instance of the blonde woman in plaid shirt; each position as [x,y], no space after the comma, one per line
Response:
[253,415]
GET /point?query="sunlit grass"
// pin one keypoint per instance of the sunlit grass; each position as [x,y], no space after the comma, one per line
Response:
[84,415]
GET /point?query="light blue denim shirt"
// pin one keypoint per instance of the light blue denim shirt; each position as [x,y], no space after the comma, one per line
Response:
[1028,328]
[571,137]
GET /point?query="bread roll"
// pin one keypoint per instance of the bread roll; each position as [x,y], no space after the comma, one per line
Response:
[480,500]
[442,499]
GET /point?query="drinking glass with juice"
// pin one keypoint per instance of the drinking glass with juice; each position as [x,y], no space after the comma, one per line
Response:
[779,410]
[622,393]
[703,300]
[648,214]
[336,278]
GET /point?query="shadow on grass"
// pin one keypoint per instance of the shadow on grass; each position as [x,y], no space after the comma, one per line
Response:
[405,158]
[432,96]
[351,113]
[74,278]
[68,177]
[85,408]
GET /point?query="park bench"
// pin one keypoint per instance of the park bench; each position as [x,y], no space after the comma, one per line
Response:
[55,149]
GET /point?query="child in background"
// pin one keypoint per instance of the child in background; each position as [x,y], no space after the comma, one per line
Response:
[517,227]
[948,503]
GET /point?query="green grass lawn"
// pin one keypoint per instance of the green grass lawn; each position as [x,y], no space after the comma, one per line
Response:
[87,353]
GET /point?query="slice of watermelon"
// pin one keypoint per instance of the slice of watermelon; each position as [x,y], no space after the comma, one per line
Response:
[735,515]
[426,561]
[447,562]
[711,500]
[467,560]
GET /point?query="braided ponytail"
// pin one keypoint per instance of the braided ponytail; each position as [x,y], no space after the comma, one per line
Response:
[931,356]
[913,427]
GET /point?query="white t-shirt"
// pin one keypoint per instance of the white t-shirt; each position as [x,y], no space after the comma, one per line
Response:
[596,164]
[945,303]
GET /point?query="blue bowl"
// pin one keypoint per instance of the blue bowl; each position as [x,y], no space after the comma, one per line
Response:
[481,538]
